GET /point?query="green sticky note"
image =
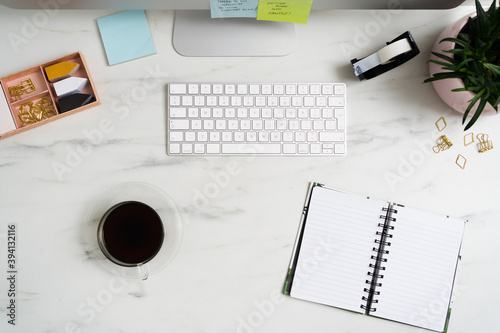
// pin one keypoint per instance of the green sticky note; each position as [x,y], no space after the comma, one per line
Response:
[295,11]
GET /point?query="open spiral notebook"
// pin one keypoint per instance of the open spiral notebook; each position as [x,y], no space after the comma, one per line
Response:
[375,258]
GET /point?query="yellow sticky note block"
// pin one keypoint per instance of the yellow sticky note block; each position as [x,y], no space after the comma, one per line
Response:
[295,11]
[61,70]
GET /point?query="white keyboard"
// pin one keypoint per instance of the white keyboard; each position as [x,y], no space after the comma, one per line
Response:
[257,119]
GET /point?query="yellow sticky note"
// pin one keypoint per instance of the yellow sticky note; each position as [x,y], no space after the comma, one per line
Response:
[295,11]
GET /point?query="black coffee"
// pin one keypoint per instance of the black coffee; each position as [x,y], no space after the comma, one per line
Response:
[132,233]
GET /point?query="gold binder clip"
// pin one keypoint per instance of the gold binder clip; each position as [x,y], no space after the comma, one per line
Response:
[15,93]
[441,124]
[27,86]
[484,144]
[442,144]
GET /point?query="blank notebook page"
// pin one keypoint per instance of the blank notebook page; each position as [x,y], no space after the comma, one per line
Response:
[336,248]
[420,268]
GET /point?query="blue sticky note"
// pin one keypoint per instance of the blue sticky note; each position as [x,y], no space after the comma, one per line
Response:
[126,36]
[233,8]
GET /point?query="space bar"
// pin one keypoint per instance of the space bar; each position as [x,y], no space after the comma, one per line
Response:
[251,148]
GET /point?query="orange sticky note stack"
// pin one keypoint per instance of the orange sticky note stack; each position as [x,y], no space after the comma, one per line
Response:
[61,70]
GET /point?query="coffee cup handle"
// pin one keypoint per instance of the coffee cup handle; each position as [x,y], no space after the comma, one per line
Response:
[142,271]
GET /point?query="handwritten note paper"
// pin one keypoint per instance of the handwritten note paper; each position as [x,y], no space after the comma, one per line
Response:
[295,11]
[233,8]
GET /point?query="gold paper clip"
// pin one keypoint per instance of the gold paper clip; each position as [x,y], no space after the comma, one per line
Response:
[441,124]
[461,161]
[468,139]
[46,107]
[43,109]
[26,114]
[442,144]
[484,144]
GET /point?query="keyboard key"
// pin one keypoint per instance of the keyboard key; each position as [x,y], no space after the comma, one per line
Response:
[199,148]
[176,136]
[263,136]
[289,148]
[327,89]
[242,89]
[181,124]
[175,100]
[267,89]
[339,148]
[230,89]
[335,101]
[254,89]
[213,148]
[202,136]
[239,136]
[196,124]
[290,89]
[217,89]
[314,89]
[262,148]
[315,148]
[187,148]
[205,89]
[339,89]
[303,148]
[177,88]
[208,124]
[199,100]
[254,113]
[178,112]
[193,112]
[214,136]
[230,112]
[174,148]
[190,136]
[278,89]
[331,136]
[193,89]
[303,89]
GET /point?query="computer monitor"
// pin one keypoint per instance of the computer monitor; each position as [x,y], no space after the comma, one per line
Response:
[197,34]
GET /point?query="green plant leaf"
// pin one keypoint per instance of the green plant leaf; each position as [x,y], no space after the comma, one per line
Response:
[494,68]
[441,63]
[445,57]
[465,62]
[444,75]
[472,102]
[470,88]
[455,40]
[476,115]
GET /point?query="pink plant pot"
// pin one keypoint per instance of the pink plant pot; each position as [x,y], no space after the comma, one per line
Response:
[456,100]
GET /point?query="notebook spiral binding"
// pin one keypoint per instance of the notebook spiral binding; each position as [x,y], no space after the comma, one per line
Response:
[378,258]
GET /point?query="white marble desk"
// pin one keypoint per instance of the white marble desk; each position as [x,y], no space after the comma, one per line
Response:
[239,234]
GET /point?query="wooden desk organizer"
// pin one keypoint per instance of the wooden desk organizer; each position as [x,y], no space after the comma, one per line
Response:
[42,93]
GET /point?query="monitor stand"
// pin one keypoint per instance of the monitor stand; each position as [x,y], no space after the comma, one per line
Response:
[197,35]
